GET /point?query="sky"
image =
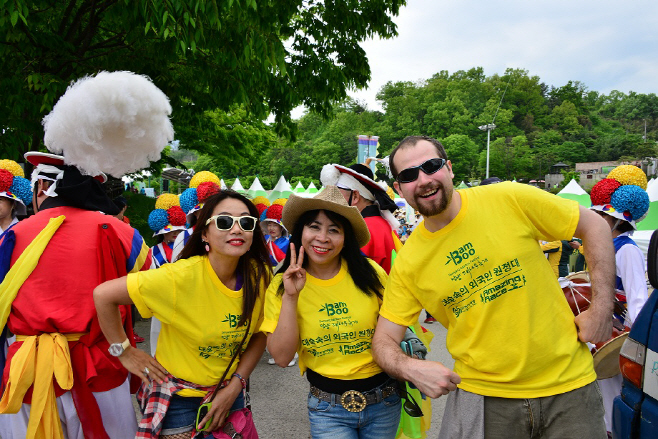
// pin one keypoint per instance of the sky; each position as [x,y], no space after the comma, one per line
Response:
[605,44]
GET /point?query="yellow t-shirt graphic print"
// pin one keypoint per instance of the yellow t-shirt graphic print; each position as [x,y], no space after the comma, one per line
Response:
[336,324]
[485,278]
[199,318]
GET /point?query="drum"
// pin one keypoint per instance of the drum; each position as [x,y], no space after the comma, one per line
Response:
[578,293]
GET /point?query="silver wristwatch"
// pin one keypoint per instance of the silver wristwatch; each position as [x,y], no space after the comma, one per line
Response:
[117,349]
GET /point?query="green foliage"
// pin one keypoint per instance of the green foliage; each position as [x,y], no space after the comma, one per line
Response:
[568,176]
[264,57]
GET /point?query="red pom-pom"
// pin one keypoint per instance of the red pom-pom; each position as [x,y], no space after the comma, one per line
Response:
[176,216]
[206,190]
[602,191]
[6,180]
[261,207]
[274,212]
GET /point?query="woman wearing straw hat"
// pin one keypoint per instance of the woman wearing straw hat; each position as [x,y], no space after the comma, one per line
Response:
[324,303]
[210,303]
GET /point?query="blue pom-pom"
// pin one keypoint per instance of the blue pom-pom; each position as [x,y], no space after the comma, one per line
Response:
[22,189]
[631,198]
[263,215]
[188,199]
[158,219]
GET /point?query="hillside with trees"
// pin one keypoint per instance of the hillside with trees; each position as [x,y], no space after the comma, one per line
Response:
[537,126]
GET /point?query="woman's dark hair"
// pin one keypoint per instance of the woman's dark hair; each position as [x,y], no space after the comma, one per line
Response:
[363,274]
[254,266]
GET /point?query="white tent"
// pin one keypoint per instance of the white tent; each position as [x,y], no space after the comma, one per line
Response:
[237,186]
[573,188]
[312,189]
[256,189]
[299,188]
[652,190]
[222,185]
[281,190]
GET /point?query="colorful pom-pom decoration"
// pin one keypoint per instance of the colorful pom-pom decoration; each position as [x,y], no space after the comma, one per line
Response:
[280,201]
[263,215]
[261,200]
[205,190]
[176,216]
[202,177]
[261,208]
[12,167]
[165,201]
[274,212]
[6,180]
[629,174]
[158,219]
[188,199]
[603,190]
[22,188]
[632,199]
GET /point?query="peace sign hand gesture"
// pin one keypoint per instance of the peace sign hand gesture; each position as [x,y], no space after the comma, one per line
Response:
[294,277]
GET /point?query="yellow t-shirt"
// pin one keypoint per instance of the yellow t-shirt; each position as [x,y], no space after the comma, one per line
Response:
[199,318]
[485,278]
[336,324]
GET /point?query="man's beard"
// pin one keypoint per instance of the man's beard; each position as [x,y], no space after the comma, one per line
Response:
[435,207]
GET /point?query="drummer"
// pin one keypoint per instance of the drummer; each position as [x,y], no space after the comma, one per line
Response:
[622,200]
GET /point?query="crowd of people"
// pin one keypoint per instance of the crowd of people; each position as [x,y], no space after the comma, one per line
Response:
[326,281]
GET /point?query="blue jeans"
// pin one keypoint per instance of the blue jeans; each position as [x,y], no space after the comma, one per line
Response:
[332,421]
[182,411]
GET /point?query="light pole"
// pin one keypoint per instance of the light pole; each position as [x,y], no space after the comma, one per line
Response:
[488,129]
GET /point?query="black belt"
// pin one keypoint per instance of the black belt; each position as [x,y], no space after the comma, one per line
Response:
[355,401]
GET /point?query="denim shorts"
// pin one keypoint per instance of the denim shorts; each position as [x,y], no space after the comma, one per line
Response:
[332,421]
[182,411]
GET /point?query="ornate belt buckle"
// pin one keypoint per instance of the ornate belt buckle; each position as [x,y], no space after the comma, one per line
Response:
[353,401]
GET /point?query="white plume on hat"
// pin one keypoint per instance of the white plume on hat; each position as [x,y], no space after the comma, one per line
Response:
[329,175]
[114,122]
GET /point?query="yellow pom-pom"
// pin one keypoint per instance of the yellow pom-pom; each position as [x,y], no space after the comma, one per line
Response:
[165,201]
[280,201]
[629,174]
[12,167]
[261,200]
[202,177]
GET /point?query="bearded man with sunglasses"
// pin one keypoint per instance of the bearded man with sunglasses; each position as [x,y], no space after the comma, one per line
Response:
[522,368]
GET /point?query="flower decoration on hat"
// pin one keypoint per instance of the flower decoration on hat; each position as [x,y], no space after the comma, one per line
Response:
[274,213]
[165,201]
[629,174]
[188,200]
[206,189]
[167,216]
[261,204]
[622,195]
[14,186]
[202,177]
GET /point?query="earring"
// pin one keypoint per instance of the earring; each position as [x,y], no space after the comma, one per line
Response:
[207,246]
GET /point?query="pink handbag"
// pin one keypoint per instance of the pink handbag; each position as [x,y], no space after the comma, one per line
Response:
[239,425]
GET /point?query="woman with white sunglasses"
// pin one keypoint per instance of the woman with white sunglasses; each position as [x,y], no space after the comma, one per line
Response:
[203,301]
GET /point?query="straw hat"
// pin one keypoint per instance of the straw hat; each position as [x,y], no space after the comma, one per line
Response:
[330,199]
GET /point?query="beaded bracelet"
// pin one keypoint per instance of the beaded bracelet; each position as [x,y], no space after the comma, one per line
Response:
[242,380]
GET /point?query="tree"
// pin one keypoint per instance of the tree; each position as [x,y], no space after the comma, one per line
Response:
[463,154]
[264,56]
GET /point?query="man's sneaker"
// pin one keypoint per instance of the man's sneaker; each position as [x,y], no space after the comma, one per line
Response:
[430,320]
[271,361]
[137,338]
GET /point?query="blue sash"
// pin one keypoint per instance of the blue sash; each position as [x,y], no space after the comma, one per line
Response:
[619,242]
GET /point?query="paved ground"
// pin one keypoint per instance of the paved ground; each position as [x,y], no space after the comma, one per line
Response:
[278,396]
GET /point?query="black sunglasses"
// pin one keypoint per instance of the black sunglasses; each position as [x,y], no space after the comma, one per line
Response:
[428,167]
[226,222]
[410,405]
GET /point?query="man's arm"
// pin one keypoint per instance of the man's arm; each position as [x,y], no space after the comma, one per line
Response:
[595,324]
[430,377]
